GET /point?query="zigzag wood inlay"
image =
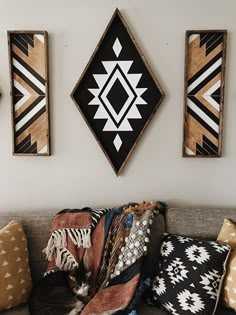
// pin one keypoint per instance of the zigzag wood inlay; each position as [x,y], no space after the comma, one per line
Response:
[29,92]
[204,72]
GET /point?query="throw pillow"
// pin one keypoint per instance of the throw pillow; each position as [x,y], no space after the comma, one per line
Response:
[228,235]
[190,275]
[15,278]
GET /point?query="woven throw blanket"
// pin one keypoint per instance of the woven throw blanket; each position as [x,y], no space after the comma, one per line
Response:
[112,249]
[71,228]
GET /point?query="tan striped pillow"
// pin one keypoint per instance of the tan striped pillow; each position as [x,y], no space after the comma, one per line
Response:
[15,278]
[228,235]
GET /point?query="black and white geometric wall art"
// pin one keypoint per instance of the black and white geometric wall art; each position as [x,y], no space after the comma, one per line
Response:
[117,93]
[204,93]
[193,271]
[28,58]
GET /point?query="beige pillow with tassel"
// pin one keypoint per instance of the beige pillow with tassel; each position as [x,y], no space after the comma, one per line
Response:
[228,235]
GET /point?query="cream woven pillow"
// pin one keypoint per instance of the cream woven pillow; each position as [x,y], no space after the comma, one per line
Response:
[228,235]
[15,278]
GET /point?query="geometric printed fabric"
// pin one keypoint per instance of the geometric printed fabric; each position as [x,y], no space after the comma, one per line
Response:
[117,94]
[204,94]
[28,61]
[228,235]
[15,278]
[190,275]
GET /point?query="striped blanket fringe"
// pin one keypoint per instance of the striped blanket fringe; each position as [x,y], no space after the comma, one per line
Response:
[57,246]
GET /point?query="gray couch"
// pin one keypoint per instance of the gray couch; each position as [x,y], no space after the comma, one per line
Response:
[197,223]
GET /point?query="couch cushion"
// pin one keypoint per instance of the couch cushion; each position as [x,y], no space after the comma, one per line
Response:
[145,309]
[197,223]
[19,310]
[224,311]
[36,227]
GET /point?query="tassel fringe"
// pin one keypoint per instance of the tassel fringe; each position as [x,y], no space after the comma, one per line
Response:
[57,246]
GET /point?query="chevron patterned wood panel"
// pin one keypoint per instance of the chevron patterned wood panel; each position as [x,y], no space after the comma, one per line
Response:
[28,57]
[204,93]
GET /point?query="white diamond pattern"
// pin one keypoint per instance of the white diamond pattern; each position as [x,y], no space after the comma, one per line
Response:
[117,142]
[117,47]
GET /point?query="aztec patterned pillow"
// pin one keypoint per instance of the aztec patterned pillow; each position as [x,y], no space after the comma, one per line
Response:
[228,235]
[190,275]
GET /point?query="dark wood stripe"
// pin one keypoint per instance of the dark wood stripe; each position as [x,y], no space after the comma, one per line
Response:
[31,70]
[206,80]
[204,109]
[205,68]
[30,83]
[29,108]
[31,121]
[202,122]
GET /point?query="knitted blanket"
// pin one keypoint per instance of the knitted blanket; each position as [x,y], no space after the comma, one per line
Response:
[111,242]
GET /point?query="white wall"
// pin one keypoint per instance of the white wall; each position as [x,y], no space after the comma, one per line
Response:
[78,173]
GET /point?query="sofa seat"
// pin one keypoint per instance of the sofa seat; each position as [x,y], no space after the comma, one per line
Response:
[19,310]
[152,310]
[143,310]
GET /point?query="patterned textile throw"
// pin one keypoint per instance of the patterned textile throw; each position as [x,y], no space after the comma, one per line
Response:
[112,243]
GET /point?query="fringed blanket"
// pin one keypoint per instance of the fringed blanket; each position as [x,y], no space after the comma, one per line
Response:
[112,243]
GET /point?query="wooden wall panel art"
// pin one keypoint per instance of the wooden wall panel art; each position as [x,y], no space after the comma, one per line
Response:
[117,93]
[28,57]
[204,93]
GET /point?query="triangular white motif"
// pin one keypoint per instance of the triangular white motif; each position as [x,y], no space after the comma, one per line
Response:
[234,289]
[6,232]
[13,238]
[232,301]
[226,288]
[233,234]
[109,66]
[16,248]
[22,281]
[5,263]
[125,126]
[10,297]
[9,286]
[192,285]
[233,268]
[230,278]
[2,252]
[7,275]
[194,267]
[18,259]
[20,270]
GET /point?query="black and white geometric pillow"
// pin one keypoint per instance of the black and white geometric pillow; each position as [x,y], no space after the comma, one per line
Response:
[190,275]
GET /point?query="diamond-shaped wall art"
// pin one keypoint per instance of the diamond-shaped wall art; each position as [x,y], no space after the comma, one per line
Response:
[117,93]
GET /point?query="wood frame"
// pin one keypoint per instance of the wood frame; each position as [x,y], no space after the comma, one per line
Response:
[117,13]
[45,94]
[220,96]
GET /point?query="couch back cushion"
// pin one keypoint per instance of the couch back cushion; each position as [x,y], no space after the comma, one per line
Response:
[197,223]
[36,227]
